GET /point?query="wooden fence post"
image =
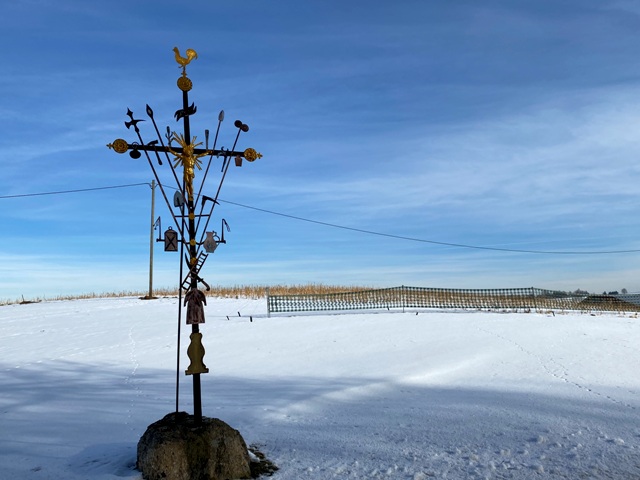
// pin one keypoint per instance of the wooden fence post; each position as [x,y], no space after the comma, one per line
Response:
[268,304]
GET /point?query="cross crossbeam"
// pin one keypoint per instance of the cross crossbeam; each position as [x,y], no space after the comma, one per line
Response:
[248,155]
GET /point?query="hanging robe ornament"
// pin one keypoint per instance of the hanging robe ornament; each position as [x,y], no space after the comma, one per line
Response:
[195,301]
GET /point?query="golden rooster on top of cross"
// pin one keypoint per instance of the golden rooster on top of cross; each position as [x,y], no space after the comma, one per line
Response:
[183,62]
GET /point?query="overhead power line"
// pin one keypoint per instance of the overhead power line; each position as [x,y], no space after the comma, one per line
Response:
[434,242]
[359,230]
[74,191]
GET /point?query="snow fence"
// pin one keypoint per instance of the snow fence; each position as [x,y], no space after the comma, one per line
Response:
[444,298]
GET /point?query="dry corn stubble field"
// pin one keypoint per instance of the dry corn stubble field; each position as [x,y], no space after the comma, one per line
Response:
[236,291]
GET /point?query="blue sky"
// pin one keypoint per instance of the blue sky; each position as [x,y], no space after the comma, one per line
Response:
[501,124]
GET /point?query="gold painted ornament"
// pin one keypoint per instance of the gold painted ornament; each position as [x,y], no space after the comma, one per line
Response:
[196,352]
[185,84]
[188,160]
[119,145]
[250,154]
[182,61]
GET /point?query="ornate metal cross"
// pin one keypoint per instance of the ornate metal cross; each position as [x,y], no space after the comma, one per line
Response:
[188,155]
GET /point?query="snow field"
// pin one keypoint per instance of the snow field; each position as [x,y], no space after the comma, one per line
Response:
[363,395]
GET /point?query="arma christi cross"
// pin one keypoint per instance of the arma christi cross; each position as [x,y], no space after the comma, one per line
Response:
[187,154]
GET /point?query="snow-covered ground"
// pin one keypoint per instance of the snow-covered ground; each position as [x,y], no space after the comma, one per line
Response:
[364,395]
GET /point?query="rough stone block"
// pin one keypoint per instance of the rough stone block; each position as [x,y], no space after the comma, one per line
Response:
[175,448]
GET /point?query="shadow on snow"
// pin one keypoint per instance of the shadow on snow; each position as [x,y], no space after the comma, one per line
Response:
[86,420]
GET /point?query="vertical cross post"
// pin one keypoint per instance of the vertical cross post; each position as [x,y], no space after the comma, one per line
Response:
[193,254]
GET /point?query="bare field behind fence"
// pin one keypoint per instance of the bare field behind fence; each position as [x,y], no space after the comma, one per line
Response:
[236,291]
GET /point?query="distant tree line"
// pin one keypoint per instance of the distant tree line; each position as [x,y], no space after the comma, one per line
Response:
[614,292]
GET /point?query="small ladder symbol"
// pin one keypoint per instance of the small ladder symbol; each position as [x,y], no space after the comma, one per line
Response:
[186,284]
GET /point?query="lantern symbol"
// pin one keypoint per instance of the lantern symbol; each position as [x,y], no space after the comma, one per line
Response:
[170,240]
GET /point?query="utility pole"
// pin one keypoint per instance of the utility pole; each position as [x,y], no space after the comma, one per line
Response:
[153,201]
[187,154]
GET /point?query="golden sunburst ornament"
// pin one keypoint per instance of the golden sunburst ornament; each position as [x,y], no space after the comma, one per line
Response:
[188,160]
[185,84]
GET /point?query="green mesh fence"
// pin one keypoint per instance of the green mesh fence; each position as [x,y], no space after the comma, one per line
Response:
[418,297]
